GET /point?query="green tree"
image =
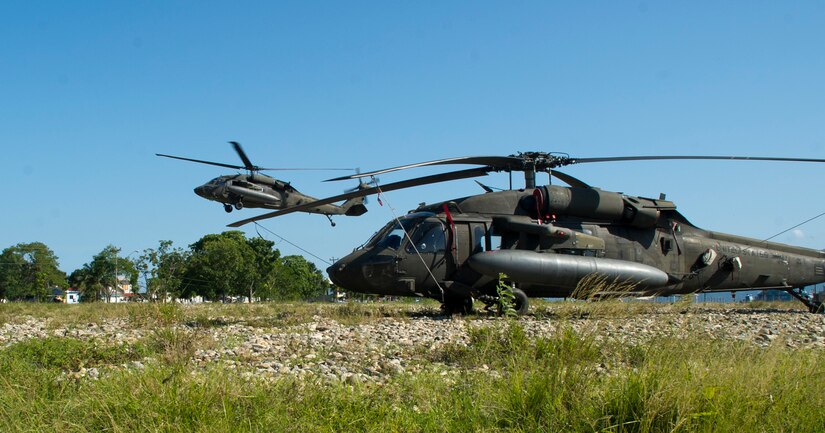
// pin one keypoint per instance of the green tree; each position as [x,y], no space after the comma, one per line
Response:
[229,264]
[29,271]
[267,263]
[220,265]
[85,282]
[11,274]
[299,279]
[98,278]
[163,269]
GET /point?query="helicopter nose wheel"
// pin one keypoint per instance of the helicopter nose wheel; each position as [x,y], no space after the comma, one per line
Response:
[239,205]
[227,208]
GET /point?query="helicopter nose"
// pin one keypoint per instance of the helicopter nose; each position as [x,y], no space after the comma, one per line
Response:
[201,191]
[364,272]
[348,274]
[343,275]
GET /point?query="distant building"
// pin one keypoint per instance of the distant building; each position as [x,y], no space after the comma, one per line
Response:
[72,297]
[122,293]
[68,296]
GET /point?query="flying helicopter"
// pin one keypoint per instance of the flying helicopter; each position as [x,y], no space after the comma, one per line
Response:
[256,190]
[549,240]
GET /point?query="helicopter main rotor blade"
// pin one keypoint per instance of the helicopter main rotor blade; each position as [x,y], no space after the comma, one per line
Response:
[491,161]
[540,161]
[677,157]
[301,169]
[436,178]
[252,167]
[237,167]
[570,180]
[240,167]
[247,163]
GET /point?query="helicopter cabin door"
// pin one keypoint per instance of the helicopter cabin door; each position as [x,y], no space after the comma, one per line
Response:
[470,238]
[427,253]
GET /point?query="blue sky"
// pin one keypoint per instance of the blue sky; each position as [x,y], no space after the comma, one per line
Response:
[92,90]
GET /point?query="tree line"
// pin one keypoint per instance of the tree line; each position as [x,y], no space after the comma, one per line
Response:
[216,267]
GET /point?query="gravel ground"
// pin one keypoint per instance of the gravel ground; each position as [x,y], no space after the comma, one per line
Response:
[377,349]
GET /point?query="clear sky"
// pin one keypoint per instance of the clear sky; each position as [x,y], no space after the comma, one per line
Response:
[90,91]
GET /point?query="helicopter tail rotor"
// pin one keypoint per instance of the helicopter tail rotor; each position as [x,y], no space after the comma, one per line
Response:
[362,186]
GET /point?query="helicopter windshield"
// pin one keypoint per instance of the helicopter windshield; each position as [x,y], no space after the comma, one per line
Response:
[428,238]
[392,235]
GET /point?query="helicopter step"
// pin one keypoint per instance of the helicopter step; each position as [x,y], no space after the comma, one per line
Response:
[814,305]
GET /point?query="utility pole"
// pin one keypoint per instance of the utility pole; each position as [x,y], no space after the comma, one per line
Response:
[334,292]
[117,278]
[112,289]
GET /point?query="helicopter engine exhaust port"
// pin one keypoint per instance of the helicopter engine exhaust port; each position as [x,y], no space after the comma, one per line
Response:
[562,270]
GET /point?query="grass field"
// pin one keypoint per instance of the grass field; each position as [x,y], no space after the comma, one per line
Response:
[500,377]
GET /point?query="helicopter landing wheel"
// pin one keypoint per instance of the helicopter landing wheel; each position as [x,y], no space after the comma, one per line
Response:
[239,205]
[457,305]
[227,208]
[521,303]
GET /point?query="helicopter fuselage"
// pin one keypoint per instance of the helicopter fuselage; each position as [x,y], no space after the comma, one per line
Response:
[261,191]
[253,191]
[552,239]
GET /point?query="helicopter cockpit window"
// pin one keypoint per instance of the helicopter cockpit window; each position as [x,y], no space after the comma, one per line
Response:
[394,238]
[428,238]
[392,235]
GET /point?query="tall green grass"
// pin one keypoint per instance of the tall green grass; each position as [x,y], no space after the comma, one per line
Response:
[502,379]
[505,381]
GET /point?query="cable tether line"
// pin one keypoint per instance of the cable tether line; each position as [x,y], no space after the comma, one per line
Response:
[287,241]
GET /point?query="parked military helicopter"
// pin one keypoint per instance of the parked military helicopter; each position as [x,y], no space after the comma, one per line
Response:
[256,190]
[549,239]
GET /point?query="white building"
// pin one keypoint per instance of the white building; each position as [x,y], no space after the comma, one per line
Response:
[72,297]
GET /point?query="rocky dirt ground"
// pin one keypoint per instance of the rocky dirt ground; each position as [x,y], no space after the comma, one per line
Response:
[373,350]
